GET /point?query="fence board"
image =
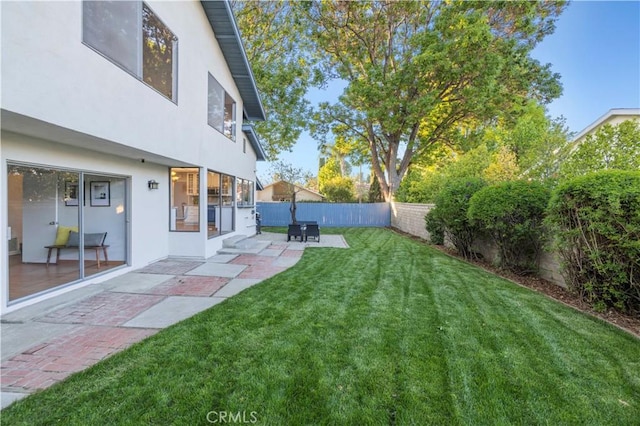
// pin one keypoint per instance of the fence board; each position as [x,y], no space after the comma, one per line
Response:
[327,214]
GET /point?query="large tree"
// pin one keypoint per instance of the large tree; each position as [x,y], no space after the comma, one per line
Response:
[420,73]
[284,68]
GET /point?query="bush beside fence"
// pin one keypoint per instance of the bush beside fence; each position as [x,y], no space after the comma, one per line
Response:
[409,218]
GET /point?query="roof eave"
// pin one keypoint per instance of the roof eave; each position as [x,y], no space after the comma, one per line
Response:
[225,29]
[254,141]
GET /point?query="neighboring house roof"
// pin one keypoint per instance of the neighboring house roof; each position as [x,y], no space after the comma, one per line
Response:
[301,188]
[226,31]
[259,185]
[255,141]
[612,113]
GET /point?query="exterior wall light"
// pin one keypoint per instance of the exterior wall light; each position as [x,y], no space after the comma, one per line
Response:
[152,184]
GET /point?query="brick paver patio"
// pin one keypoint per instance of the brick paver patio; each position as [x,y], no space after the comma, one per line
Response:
[106,308]
[45,364]
[100,318]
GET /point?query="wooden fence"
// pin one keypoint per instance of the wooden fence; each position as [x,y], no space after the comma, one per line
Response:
[327,214]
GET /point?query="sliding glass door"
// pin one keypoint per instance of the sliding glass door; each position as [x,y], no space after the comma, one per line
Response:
[48,210]
[42,211]
[220,206]
[104,220]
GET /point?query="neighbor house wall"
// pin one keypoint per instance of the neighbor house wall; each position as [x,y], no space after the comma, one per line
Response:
[265,195]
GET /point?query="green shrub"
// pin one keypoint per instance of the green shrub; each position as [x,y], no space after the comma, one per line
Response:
[512,214]
[596,220]
[435,228]
[450,212]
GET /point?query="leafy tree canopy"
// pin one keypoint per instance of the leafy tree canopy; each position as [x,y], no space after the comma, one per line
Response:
[534,140]
[329,171]
[282,62]
[281,170]
[527,148]
[419,73]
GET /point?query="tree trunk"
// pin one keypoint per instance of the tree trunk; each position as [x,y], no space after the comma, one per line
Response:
[293,208]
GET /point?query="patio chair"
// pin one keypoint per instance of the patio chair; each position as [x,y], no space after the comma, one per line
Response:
[313,231]
[294,231]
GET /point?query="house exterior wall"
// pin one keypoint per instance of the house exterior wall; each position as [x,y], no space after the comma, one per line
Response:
[65,105]
[49,74]
[148,212]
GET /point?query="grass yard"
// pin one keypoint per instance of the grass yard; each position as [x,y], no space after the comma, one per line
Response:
[389,331]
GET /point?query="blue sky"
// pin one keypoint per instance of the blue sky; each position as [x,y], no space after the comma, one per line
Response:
[596,50]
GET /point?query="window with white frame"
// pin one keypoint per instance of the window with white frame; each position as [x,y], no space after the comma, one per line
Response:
[245,193]
[184,193]
[131,35]
[221,110]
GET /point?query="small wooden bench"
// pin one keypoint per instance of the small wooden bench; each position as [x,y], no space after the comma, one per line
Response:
[75,246]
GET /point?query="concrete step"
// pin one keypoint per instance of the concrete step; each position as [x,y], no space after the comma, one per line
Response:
[245,246]
[232,242]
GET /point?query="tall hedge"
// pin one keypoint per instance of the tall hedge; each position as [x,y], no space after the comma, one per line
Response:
[596,219]
[450,212]
[512,214]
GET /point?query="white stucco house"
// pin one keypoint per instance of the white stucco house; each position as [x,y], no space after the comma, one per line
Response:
[613,117]
[128,122]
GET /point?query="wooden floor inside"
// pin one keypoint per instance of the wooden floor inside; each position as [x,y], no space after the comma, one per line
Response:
[26,279]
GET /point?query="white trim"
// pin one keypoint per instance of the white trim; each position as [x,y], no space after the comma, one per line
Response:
[611,113]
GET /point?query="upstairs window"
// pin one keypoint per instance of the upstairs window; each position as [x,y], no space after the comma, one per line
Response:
[221,110]
[158,45]
[131,35]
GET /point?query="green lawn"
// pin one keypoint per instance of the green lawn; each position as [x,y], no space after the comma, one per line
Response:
[389,331]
